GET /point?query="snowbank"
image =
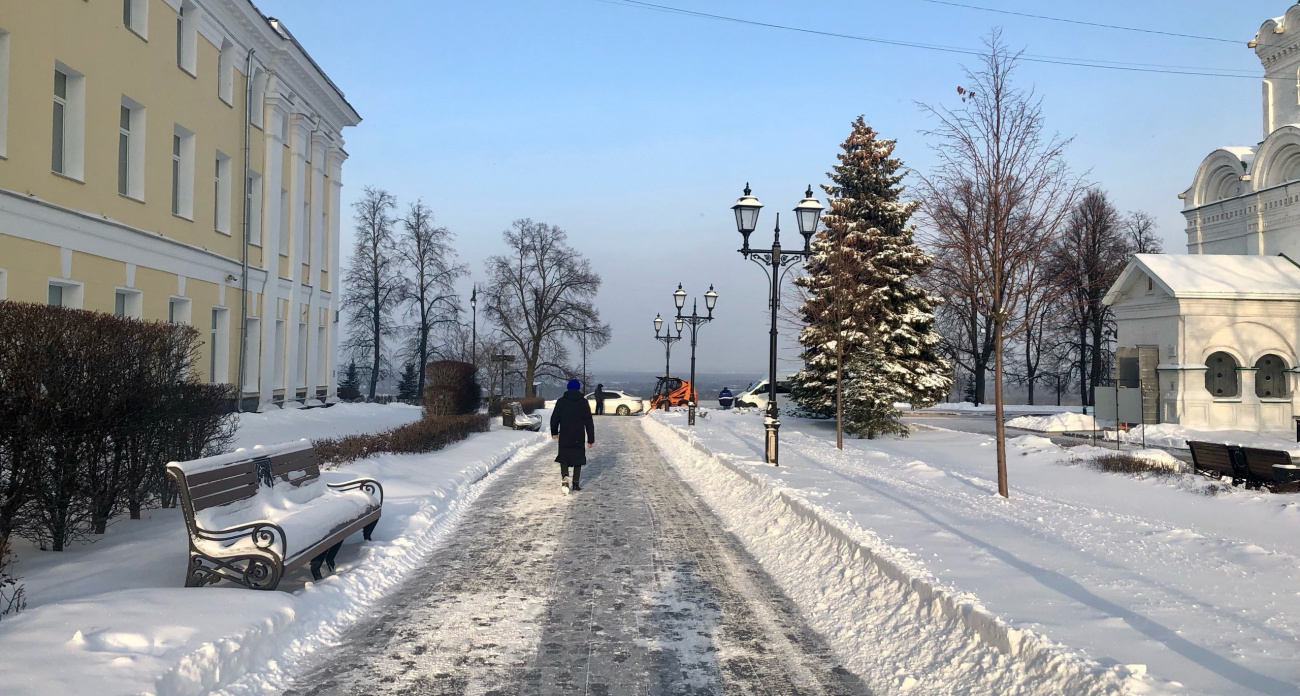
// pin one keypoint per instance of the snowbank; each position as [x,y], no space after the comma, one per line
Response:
[282,425]
[1068,422]
[1173,435]
[885,615]
[1177,582]
[967,407]
[115,618]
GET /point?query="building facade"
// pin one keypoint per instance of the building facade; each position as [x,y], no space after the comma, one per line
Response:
[1212,336]
[177,160]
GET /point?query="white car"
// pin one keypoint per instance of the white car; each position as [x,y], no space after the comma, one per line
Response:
[617,402]
[756,394]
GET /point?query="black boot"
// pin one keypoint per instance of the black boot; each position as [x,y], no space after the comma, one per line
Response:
[577,473]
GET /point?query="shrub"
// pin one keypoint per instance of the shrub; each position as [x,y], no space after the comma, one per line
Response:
[92,407]
[1119,463]
[12,597]
[424,435]
[451,388]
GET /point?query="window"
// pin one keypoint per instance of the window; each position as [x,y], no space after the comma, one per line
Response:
[4,89]
[304,242]
[226,73]
[68,121]
[130,150]
[278,373]
[219,346]
[302,354]
[183,173]
[1270,378]
[284,222]
[322,356]
[178,310]
[258,106]
[221,194]
[135,16]
[187,38]
[61,293]
[252,353]
[127,303]
[253,208]
[1221,377]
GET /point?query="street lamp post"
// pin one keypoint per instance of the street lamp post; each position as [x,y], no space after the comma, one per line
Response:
[473,341]
[668,339]
[772,261]
[502,360]
[695,321]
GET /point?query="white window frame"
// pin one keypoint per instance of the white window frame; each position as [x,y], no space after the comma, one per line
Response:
[179,310]
[322,356]
[304,242]
[71,163]
[4,91]
[221,194]
[135,151]
[252,354]
[254,210]
[132,302]
[182,157]
[187,38]
[257,114]
[226,73]
[284,222]
[219,338]
[302,354]
[72,292]
[135,16]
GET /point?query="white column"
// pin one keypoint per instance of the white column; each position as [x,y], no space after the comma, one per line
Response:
[319,237]
[272,181]
[300,129]
[337,157]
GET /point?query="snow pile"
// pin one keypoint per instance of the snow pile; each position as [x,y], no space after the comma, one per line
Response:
[1177,582]
[968,407]
[1174,435]
[887,617]
[281,425]
[115,618]
[1067,422]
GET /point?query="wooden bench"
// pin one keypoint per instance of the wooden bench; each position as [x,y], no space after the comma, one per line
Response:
[1269,467]
[254,515]
[1218,460]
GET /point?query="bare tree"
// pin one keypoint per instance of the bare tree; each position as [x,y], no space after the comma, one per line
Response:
[1086,260]
[995,157]
[1140,228]
[372,284]
[540,294]
[429,290]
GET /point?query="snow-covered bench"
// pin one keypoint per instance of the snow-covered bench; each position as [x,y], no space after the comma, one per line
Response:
[513,416]
[1218,460]
[1269,467]
[254,515]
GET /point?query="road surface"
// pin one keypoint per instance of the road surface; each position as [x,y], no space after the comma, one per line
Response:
[630,586]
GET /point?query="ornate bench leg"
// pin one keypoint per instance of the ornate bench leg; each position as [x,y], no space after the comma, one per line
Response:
[331,554]
[368,529]
[315,566]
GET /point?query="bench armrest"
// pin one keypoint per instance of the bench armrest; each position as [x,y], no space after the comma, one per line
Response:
[266,536]
[366,485]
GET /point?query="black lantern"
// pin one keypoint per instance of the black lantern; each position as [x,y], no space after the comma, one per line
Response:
[746,207]
[808,212]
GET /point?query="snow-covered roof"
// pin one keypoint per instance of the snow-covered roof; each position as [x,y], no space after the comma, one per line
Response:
[1214,276]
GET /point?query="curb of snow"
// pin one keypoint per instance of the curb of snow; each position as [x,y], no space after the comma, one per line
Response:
[993,655]
[264,657]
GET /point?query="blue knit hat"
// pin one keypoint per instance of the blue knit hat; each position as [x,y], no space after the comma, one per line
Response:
[574,384]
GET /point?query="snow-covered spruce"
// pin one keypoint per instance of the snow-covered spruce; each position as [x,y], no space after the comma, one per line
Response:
[865,320]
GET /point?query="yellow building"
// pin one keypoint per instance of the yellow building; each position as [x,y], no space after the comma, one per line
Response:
[124,128]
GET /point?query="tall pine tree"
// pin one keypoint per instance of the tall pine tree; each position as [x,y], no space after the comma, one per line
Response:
[865,320]
[350,384]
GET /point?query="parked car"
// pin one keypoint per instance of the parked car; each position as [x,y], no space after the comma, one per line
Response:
[617,402]
[756,394]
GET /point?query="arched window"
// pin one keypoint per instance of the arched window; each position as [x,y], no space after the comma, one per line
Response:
[1221,378]
[1270,378]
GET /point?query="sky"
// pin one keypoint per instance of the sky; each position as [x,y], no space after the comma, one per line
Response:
[635,130]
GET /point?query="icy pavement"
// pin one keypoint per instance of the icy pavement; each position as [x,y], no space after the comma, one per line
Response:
[629,586]
[1173,576]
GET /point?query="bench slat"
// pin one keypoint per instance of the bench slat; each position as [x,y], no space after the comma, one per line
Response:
[1211,456]
[284,465]
[239,480]
[225,497]
[1261,461]
[227,471]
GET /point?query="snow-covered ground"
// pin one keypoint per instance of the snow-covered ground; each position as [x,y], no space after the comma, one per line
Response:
[114,617]
[1067,422]
[1174,435]
[1166,585]
[967,407]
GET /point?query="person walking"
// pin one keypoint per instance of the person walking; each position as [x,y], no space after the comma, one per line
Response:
[570,420]
[600,399]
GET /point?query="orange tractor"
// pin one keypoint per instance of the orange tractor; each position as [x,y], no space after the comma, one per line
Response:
[671,391]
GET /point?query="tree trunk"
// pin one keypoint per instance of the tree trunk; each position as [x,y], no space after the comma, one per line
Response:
[997,411]
[1083,367]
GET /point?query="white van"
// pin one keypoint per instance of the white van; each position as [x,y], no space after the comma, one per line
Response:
[756,394]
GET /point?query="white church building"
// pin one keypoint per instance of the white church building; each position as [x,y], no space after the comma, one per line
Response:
[1212,336]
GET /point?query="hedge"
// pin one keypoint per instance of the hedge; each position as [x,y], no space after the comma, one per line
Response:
[424,435]
[451,388]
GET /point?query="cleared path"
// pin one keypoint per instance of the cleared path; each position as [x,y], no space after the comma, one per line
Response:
[630,586]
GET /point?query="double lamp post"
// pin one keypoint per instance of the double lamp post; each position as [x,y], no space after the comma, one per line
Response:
[775,262]
[695,321]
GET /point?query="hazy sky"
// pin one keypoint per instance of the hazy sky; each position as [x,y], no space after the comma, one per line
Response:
[636,130]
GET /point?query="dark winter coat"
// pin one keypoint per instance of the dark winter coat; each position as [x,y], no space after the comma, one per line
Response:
[570,420]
